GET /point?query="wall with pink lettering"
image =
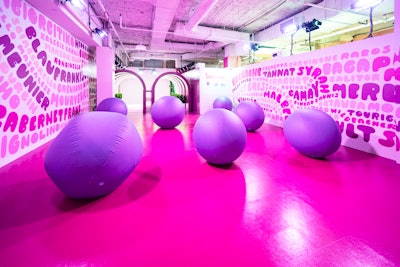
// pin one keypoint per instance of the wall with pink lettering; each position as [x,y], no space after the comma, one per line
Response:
[41,80]
[358,84]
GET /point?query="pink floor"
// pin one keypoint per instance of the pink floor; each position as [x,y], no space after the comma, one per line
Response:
[272,207]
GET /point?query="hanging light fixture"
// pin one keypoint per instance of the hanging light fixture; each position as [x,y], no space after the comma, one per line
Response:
[79,4]
[291,25]
[289,29]
[254,47]
[310,26]
[101,33]
[140,47]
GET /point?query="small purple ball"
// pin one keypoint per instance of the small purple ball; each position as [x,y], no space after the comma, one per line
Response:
[113,104]
[168,112]
[313,133]
[251,114]
[223,102]
[219,136]
[93,154]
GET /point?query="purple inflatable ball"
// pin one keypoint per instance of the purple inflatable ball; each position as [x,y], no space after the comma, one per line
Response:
[251,114]
[168,112]
[313,133]
[223,102]
[219,136]
[93,154]
[113,104]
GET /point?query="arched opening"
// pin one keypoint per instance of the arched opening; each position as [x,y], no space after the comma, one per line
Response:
[161,87]
[132,88]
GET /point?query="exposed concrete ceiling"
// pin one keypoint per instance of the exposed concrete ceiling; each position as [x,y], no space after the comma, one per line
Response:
[208,30]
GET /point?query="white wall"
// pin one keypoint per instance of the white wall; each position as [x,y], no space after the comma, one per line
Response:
[214,82]
[162,89]
[132,93]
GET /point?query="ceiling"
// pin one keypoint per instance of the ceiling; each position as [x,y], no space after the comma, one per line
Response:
[208,30]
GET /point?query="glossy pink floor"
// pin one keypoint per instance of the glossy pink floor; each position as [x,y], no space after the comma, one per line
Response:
[272,207]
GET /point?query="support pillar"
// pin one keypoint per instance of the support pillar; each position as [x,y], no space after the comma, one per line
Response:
[105,72]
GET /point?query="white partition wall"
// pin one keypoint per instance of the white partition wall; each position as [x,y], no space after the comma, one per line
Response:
[214,82]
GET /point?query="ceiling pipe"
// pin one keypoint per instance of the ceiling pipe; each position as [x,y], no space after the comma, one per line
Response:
[244,25]
[210,46]
[148,56]
[201,12]
[181,48]
[332,9]
[196,56]
[335,33]
[168,47]
[103,9]
[203,33]
[318,11]
[185,48]
[203,53]
[212,34]
[217,38]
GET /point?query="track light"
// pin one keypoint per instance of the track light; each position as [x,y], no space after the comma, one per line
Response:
[79,4]
[311,25]
[254,47]
[186,68]
[119,63]
[101,33]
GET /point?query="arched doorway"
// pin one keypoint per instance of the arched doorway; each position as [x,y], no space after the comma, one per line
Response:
[122,76]
[180,83]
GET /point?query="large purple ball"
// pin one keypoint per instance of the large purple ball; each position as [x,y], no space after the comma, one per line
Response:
[113,104]
[223,102]
[168,112]
[93,154]
[219,136]
[313,133]
[251,114]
